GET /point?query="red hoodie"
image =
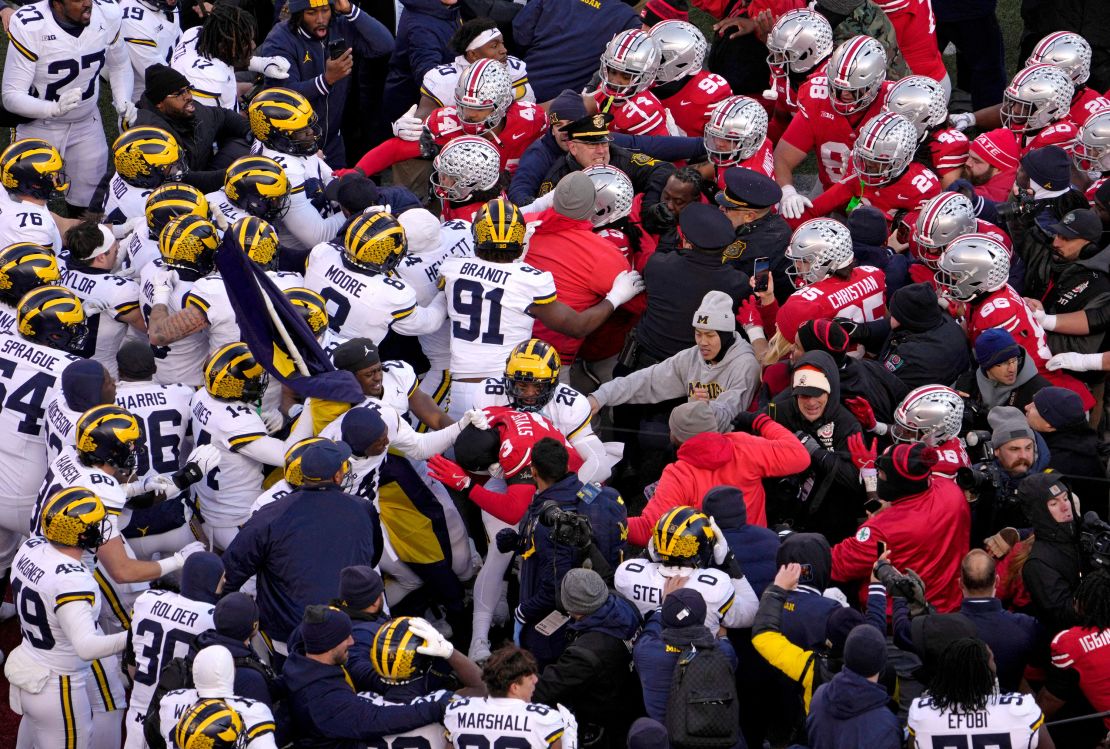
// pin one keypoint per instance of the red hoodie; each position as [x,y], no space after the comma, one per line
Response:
[711,459]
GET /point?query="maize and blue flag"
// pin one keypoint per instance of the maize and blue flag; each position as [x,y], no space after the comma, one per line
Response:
[271,327]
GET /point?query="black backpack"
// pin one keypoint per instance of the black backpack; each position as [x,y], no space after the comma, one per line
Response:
[703,711]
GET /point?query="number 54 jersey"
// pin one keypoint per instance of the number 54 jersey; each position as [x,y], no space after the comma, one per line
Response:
[504,723]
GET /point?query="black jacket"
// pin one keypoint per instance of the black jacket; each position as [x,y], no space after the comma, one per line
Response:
[869,379]
[765,237]
[1051,573]
[198,138]
[648,175]
[925,354]
[1075,453]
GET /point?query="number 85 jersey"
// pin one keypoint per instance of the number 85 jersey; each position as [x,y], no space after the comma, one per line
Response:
[505,723]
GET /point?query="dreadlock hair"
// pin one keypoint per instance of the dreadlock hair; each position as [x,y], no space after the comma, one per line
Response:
[227,35]
[468,32]
[962,680]
[1092,599]
[689,175]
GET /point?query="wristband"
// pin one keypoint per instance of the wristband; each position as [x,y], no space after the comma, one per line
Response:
[755,333]
[170,564]
[1048,322]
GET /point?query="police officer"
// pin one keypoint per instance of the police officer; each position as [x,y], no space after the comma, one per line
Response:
[590,144]
[760,233]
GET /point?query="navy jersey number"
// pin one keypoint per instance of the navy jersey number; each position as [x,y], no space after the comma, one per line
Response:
[467,299]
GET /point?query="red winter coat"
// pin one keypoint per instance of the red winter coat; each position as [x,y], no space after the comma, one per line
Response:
[711,459]
[926,532]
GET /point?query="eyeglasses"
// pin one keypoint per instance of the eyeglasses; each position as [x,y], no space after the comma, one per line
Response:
[179,93]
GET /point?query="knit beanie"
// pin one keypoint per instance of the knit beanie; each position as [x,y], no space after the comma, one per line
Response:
[933,633]
[574,196]
[905,470]
[999,148]
[200,576]
[323,628]
[715,313]
[567,106]
[995,346]
[1049,167]
[840,623]
[1008,424]
[915,307]
[865,650]
[359,586]
[161,81]
[83,384]
[1060,407]
[647,733]
[135,360]
[235,616]
[868,226]
[583,591]
[361,427]
[690,419]
[725,504]
[824,335]
[684,607]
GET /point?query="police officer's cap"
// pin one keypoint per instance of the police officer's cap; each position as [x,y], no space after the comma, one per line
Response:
[593,128]
[745,188]
[705,227]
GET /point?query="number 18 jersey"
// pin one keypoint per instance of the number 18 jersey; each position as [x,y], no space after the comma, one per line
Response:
[502,723]
[487,304]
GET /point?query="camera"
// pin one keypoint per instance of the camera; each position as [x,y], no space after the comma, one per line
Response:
[1023,204]
[1094,540]
[979,478]
[568,528]
[908,586]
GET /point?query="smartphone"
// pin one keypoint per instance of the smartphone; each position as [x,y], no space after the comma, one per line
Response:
[872,505]
[880,549]
[337,48]
[762,270]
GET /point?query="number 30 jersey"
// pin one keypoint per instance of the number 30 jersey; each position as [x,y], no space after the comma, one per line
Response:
[502,723]
[1009,720]
[163,624]
[487,304]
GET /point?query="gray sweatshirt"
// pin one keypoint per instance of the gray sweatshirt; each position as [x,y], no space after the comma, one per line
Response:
[731,382]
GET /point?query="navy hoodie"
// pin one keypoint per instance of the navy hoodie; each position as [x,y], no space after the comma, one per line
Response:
[850,712]
[423,35]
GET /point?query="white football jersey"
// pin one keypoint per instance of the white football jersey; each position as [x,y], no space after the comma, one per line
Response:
[430,736]
[43,580]
[8,319]
[137,252]
[150,33]
[310,218]
[219,201]
[118,296]
[124,201]
[1009,720]
[483,721]
[258,720]
[181,361]
[163,625]
[165,413]
[421,272]
[568,410]
[642,581]
[487,304]
[62,61]
[61,424]
[209,295]
[439,82]
[271,495]
[225,495]
[212,81]
[23,221]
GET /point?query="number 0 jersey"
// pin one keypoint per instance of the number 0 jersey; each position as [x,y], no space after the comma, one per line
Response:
[163,625]
[1009,720]
[502,723]
[487,304]
[641,582]
[225,495]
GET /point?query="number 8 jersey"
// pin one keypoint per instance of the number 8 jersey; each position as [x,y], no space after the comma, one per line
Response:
[503,723]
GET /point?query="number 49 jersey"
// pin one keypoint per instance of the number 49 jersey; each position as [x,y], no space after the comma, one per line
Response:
[502,723]
[163,625]
[1009,720]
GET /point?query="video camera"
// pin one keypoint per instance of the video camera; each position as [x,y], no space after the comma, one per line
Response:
[1023,204]
[979,478]
[907,585]
[567,527]
[1094,540]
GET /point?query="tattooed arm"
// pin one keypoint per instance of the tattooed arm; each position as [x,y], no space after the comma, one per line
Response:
[165,327]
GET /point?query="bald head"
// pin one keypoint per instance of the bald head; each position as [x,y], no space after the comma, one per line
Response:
[977,576]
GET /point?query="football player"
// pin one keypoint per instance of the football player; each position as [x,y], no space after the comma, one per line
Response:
[365,298]
[23,266]
[164,204]
[144,158]
[85,384]
[915,27]
[209,54]
[466,174]
[629,65]
[287,131]
[188,245]
[58,604]
[152,29]
[923,102]
[832,108]
[253,186]
[682,85]
[52,77]
[1091,155]
[934,414]
[492,300]
[1035,107]
[940,221]
[32,172]
[736,135]
[111,302]
[799,44]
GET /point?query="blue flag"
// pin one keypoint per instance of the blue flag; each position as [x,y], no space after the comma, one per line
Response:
[276,333]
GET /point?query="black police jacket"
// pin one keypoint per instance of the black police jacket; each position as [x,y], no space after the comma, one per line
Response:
[765,237]
[648,175]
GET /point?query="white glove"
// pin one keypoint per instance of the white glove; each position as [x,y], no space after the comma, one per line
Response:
[626,286]
[435,644]
[163,283]
[95,306]
[160,484]
[126,111]
[1075,362]
[67,102]
[189,549]
[1046,321]
[384,208]
[475,416]
[962,120]
[271,67]
[220,220]
[792,204]
[408,127]
[119,231]
[273,420]
[720,543]
[206,457]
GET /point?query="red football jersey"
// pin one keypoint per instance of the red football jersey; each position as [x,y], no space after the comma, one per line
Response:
[1087,651]
[817,126]
[1086,102]
[643,114]
[915,27]
[951,457]
[524,123]
[762,161]
[519,432]
[1006,309]
[1060,133]
[948,150]
[1093,188]
[860,298]
[694,102]
[916,185]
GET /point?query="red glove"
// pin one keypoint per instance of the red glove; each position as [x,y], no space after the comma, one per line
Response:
[449,473]
[749,313]
[344,172]
[862,410]
[863,455]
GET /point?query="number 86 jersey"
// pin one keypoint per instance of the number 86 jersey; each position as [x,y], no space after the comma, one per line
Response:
[506,723]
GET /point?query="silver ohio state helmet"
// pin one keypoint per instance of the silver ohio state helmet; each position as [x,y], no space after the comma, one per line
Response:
[822,245]
[973,264]
[884,148]
[856,70]
[484,85]
[920,100]
[1037,96]
[798,42]
[736,129]
[682,50]
[613,194]
[635,54]
[932,414]
[942,219]
[1066,50]
[1092,144]
[470,164]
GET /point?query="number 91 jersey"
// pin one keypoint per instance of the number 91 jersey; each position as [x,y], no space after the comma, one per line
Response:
[503,723]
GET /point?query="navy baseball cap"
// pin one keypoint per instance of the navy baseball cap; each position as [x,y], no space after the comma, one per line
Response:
[745,188]
[322,460]
[705,227]
[1082,223]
